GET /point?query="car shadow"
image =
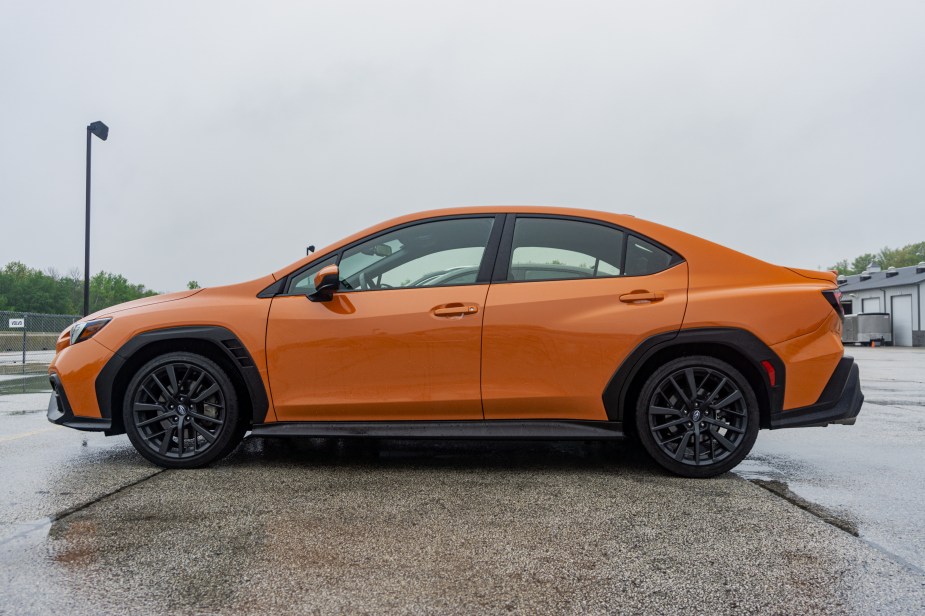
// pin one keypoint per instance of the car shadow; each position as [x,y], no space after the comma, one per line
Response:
[397,454]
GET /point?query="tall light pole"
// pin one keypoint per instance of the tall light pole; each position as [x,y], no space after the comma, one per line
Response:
[102,131]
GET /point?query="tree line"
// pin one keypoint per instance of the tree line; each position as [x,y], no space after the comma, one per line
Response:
[25,289]
[911,254]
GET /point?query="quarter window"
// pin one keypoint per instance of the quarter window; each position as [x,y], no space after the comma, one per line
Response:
[644,258]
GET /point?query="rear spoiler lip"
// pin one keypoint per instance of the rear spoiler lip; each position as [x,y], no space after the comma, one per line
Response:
[828,276]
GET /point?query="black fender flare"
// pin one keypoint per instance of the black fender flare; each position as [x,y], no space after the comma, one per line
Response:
[221,338]
[737,342]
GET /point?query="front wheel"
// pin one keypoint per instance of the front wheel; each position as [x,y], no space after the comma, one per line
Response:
[181,411]
[697,416]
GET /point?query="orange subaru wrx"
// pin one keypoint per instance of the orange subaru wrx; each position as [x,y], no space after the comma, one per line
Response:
[474,323]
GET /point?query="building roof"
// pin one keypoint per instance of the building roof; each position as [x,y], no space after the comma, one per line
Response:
[901,276]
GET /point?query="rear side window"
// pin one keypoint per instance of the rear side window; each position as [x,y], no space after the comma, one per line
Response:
[556,249]
[644,258]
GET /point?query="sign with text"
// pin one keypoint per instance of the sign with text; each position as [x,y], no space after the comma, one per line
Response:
[17,323]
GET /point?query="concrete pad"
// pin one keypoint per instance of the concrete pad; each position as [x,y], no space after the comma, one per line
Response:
[330,526]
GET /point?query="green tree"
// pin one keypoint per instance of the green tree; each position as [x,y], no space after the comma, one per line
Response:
[193,284]
[860,263]
[842,267]
[26,289]
[911,254]
[108,289]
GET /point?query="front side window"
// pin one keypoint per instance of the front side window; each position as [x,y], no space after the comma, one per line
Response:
[438,253]
[556,249]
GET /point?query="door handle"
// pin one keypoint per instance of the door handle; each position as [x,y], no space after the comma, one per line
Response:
[455,310]
[641,296]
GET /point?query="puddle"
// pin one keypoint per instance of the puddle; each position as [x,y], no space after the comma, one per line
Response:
[781,489]
[24,530]
[24,384]
[772,479]
[9,413]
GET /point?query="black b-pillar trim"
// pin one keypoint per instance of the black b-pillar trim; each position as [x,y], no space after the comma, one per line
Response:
[221,337]
[738,340]
[491,250]
[502,263]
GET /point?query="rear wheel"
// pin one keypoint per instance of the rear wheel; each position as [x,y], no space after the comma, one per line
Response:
[181,411]
[697,416]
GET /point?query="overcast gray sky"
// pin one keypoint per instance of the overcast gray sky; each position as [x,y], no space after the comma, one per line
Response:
[243,131]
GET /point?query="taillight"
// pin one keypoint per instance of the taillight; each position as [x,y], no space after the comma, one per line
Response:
[833,296]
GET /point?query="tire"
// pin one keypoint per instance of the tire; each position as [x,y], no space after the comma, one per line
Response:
[699,435]
[185,393]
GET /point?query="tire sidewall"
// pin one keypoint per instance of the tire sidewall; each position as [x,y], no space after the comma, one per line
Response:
[648,440]
[228,437]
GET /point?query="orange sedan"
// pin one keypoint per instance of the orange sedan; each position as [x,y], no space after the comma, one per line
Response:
[474,323]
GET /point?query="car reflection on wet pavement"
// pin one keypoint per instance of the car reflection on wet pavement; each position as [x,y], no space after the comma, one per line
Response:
[316,525]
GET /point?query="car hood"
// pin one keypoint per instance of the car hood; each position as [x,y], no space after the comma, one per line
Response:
[144,301]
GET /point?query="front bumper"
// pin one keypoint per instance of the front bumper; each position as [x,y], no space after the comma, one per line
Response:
[839,403]
[60,413]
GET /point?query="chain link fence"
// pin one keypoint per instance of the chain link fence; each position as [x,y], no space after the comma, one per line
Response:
[27,345]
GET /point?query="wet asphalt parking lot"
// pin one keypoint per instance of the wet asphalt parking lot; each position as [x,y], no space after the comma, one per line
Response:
[329,526]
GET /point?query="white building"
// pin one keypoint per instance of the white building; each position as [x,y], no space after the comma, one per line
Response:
[897,292]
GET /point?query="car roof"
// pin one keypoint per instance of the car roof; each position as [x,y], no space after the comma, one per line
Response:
[619,219]
[713,260]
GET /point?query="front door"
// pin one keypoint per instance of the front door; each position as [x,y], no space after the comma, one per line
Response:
[570,301]
[401,339]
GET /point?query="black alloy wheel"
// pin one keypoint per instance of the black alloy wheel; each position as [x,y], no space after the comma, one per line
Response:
[697,416]
[180,411]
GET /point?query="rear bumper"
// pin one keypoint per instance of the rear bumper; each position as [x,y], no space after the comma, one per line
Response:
[60,413]
[839,403]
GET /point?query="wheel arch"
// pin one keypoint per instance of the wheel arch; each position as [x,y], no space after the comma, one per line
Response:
[738,347]
[217,343]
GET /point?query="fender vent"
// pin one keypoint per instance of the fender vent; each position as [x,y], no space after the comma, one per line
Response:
[239,352]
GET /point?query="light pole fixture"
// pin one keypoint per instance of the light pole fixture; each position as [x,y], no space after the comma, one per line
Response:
[102,131]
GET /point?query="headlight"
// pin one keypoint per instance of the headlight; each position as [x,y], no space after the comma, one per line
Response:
[85,330]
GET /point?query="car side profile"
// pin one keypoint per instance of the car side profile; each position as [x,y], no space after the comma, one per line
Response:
[474,323]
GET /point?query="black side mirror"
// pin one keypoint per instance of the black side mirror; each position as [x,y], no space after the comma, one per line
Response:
[327,281]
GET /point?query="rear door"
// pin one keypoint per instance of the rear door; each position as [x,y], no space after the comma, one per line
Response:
[569,300]
[399,341]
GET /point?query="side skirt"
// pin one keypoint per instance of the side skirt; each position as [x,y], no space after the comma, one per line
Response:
[474,430]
